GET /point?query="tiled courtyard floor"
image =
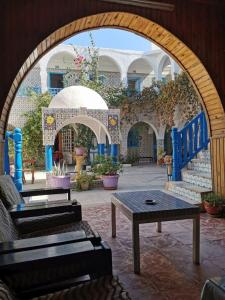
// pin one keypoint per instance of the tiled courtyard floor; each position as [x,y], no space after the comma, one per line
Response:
[167,271]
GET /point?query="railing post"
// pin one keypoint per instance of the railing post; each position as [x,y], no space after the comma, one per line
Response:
[17,137]
[48,158]
[201,129]
[176,174]
[205,130]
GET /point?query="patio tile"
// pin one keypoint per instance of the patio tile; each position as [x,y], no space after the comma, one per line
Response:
[167,271]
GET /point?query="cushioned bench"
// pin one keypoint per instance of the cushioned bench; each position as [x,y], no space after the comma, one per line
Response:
[214,289]
[107,288]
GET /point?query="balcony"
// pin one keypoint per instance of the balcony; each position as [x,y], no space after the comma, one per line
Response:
[54,91]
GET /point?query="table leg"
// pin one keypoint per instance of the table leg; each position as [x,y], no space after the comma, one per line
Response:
[196,239]
[136,247]
[159,227]
[113,219]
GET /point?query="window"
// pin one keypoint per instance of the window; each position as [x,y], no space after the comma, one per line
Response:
[56,80]
[134,86]
[102,79]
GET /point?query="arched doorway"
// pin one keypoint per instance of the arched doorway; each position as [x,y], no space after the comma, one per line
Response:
[162,37]
[141,141]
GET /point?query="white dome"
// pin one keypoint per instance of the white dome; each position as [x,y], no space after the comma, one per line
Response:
[76,97]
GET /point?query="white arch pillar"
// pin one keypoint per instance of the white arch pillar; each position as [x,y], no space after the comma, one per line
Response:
[44,76]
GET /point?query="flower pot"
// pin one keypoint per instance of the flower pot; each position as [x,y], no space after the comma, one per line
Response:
[84,186]
[213,210]
[58,181]
[79,151]
[110,182]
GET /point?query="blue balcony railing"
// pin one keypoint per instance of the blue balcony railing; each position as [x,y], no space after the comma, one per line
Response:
[188,142]
[26,90]
[54,91]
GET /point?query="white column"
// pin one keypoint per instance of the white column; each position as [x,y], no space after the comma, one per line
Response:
[44,76]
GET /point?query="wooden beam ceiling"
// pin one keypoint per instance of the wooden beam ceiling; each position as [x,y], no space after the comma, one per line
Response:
[145,3]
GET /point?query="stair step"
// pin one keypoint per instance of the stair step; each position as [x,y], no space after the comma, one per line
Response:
[191,201]
[204,154]
[200,165]
[187,190]
[197,178]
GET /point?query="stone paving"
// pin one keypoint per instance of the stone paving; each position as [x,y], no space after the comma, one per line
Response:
[167,271]
[133,178]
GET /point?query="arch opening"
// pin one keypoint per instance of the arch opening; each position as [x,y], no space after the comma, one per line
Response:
[141,142]
[148,29]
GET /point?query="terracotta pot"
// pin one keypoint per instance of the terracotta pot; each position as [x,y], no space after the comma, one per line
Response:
[79,151]
[110,182]
[213,210]
[58,181]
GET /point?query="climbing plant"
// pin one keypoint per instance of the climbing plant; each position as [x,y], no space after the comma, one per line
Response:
[88,65]
[32,130]
[163,99]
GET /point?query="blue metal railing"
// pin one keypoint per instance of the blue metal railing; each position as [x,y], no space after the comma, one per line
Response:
[188,142]
[54,91]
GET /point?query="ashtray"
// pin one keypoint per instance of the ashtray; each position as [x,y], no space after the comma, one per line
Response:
[150,201]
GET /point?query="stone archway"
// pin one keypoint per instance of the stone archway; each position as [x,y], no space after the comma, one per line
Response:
[142,141]
[170,43]
[183,55]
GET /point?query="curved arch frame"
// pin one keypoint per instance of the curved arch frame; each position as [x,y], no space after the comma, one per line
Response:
[148,29]
[141,58]
[85,120]
[113,60]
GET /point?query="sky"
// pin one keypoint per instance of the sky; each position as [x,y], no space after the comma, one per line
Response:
[112,38]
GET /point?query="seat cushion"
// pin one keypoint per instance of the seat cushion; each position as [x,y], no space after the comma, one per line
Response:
[28,225]
[8,191]
[104,288]
[5,293]
[75,226]
[8,231]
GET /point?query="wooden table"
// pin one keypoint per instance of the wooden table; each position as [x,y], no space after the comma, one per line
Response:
[166,208]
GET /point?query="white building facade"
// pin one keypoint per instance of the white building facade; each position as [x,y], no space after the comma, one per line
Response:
[143,134]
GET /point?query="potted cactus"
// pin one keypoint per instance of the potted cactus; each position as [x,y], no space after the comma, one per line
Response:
[109,171]
[58,178]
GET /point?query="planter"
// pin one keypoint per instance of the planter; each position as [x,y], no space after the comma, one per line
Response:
[110,182]
[213,210]
[58,181]
[79,151]
[84,186]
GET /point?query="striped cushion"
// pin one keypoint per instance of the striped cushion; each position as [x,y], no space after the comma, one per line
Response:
[38,223]
[104,288]
[5,293]
[75,226]
[8,231]
[8,191]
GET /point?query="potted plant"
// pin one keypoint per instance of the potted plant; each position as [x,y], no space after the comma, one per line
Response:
[58,178]
[109,170]
[213,204]
[79,149]
[160,156]
[84,181]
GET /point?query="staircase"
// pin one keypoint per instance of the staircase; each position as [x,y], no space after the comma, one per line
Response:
[191,161]
[196,179]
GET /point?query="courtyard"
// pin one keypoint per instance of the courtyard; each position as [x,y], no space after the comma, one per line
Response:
[167,270]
